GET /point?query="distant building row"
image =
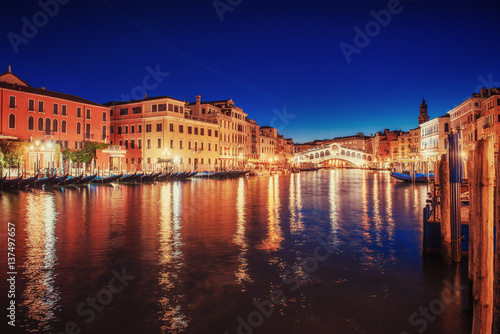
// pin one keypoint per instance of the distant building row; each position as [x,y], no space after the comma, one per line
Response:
[478,117]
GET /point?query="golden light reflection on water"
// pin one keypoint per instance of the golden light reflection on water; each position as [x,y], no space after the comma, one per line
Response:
[170,241]
[390,214]
[41,296]
[295,204]
[239,237]
[274,233]
[334,201]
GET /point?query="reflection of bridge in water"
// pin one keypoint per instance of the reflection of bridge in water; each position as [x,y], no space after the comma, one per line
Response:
[347,155]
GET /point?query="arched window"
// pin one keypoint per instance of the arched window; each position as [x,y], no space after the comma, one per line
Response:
[78,128]
[327,152]
[348,154]
[12,121]
[322,154]
[54,125]
[311,156]
[40,124]
[342,153]
[47,126]
[63,126]
[104,132]
[87,130]
[31,123]
[358,156]
[316,155]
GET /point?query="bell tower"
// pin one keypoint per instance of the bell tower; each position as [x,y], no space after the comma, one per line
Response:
[423,117]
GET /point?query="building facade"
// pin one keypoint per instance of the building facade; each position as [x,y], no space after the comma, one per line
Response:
[49,120]
[235,140]
[160,132]
[434,138]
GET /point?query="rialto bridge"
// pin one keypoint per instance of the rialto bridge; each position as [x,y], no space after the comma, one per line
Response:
[338,152]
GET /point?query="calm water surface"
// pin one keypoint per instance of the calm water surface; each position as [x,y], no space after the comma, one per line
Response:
[340,250]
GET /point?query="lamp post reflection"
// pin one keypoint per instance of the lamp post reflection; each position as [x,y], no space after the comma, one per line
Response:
[172,317]
[41,296]
[239,238]
[274,233]
[295,204]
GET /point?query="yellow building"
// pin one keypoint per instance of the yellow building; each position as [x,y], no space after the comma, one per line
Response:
[235,130]
[161,132]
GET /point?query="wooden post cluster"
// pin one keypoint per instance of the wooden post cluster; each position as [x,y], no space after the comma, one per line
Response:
[496,296]
[444,192]
[472,222]
[484,172]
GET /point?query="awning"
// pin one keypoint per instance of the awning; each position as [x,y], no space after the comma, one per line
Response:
[7,137]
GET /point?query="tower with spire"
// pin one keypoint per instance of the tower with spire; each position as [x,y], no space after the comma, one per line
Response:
[423,117]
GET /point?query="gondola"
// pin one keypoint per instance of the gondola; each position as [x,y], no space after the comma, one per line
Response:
[39,183]
[163,177]
[106,180]
[85,180]
[10,184]
[29,182]
[128,178]
[56,181]
[71,180]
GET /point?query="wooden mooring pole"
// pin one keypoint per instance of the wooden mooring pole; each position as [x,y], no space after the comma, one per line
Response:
[444,192]
[483,249]
[472,224]
[496,296]
[455,200]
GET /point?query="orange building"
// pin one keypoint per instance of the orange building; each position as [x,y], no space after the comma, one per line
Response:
[48,118]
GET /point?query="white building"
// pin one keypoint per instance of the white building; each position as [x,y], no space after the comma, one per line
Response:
[434,137]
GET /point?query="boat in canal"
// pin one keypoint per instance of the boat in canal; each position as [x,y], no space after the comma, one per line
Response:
[85,180]
[106,180]
[419,178]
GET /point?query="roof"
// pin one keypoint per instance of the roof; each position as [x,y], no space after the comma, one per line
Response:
[33,90]
[230,101]
[117,103]
[12,75]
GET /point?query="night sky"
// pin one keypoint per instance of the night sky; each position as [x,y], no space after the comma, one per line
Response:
[281,61]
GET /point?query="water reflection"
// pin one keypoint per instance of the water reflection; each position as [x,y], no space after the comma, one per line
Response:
[170,240]
[41,296]
[334,200]
[274,233]
[295,204]
[239,237]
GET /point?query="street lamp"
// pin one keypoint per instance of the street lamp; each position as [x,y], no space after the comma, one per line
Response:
[51,164]
[36,148]
[166,153]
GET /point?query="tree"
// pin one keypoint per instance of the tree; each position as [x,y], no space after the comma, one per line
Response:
[13,152]
[90,149]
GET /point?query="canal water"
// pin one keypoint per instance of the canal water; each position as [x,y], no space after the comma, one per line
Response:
[332,251]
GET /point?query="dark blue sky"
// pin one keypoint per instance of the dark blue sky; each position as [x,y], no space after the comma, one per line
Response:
[268,56]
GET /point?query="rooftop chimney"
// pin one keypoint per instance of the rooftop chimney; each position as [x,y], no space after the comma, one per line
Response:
[145,95]
[42,88]
[198,99]
[10,70]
